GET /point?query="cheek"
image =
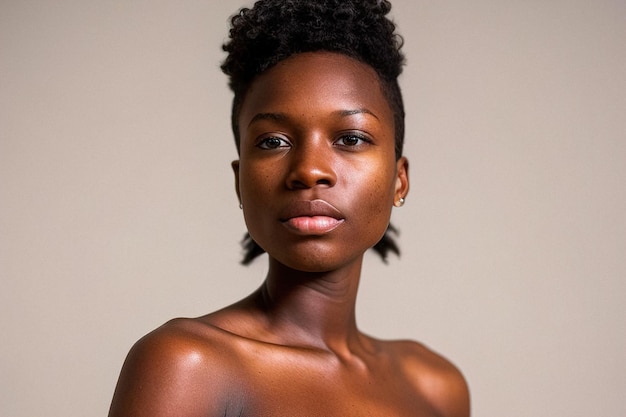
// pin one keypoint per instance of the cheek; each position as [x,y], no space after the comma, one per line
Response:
[254,182]
[372,195]
[376,179]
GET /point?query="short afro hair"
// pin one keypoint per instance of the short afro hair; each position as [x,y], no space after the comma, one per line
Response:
[273,30]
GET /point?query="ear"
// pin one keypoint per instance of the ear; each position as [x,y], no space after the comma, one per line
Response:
[235,166]
[402,179]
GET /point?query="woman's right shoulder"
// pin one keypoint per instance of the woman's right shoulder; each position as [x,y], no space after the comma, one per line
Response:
[187,345]
[191,332]
[184,363]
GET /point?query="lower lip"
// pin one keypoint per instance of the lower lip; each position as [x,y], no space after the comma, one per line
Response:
[312,225]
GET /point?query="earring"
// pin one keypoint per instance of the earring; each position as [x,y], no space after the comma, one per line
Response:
[400,202]
[240,206]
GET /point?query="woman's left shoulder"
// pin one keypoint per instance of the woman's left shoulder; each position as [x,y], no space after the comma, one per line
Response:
[434,376]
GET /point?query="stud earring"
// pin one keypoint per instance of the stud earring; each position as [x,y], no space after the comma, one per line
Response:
[400,202]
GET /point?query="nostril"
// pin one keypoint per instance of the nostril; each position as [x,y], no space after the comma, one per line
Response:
[311,166]
[300,179]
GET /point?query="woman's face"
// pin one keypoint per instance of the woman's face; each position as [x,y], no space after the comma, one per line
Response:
[317,174]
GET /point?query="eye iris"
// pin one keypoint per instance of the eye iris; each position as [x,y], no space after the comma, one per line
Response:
[272,142]
[351,140]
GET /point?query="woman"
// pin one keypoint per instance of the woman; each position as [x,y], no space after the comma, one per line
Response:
[319,124]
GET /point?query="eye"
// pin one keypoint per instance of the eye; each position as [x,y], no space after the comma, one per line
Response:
[352,140]
[273,142]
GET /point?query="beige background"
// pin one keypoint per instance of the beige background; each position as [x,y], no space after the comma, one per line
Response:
[117,209]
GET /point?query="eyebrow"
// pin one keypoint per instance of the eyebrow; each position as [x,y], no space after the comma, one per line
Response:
[284,116]
[346,113]
[268,116]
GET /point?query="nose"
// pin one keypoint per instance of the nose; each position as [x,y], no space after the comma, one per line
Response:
[311,165]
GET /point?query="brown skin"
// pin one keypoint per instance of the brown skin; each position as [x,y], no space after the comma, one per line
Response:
[315,127]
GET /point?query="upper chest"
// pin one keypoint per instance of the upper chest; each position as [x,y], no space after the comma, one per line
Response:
[292,385]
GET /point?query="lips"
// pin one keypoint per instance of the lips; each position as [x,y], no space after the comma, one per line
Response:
[311,217]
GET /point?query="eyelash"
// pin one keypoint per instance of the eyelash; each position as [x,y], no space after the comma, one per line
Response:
[279,142]
[263,143]
[361,140]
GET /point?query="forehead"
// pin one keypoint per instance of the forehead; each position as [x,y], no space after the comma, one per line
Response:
[316,81]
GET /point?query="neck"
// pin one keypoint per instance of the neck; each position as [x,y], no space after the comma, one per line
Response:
[312,309]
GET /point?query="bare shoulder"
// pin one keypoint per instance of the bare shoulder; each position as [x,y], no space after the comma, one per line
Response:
[436,378]
[186,343]
[179,369]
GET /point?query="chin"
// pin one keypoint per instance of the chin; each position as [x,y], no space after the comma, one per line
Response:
[311,264]
[316,261]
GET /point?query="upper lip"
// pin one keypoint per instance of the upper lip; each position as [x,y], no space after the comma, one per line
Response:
[310,208]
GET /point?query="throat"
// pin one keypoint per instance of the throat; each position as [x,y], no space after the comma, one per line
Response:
[304,309]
